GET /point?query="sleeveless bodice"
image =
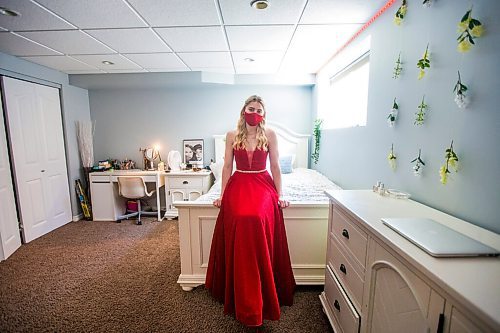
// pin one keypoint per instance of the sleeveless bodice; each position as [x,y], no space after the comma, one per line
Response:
[250,160]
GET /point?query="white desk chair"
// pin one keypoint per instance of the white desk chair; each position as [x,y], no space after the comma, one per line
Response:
[133,188]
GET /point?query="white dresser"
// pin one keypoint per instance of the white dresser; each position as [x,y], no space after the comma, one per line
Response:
[185,186]
[377,281]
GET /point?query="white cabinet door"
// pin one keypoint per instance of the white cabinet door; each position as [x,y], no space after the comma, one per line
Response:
[9,226]
[399,300]
[103,204]
[37,143]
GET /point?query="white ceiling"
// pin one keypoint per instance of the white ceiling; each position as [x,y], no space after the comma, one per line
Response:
[76,36]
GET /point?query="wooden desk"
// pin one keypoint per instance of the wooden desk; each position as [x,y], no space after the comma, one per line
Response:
[107,205]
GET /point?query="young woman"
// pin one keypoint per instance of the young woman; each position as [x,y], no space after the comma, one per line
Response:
[249,268]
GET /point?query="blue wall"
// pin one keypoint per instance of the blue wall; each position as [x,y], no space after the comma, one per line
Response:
[356,158]
[127,119]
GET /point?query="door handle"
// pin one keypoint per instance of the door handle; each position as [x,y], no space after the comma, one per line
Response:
[345,233]
[343,269]
[336,304]
[185,182]
[42,170]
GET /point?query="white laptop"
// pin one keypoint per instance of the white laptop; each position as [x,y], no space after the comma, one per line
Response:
[437,239]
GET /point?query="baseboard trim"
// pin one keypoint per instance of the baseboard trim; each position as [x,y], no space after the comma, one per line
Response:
[78,217]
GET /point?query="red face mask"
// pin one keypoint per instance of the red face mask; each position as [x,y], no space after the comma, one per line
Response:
[253,118]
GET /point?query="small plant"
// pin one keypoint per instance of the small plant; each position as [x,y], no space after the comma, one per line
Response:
[391,158]
[419,164]
[398,68]
[393,115]
[317,139]
[469,29]
[420,114]
[459,90]
[451,162]
[424,63]
[401,13]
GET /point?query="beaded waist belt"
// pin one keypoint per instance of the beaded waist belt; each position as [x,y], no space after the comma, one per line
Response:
[250,171]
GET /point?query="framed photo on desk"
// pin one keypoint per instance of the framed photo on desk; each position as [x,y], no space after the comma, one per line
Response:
[193,152]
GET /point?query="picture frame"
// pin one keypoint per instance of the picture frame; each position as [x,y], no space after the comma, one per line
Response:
[193,152]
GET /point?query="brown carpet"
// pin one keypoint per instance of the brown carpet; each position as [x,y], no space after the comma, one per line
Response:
[121,277]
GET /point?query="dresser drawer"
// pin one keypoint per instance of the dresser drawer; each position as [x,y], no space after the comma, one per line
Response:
[351,236]
[340,306]
[350,273]
[185,182]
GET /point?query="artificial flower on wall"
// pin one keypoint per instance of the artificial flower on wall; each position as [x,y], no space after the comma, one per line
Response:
[391,158]
[469,29]
[427,3]
[420,114]
[419,164]
[451,162]
[459,90]
[398,68]
[317,140]
[393,115]
[401,13]
[424,63]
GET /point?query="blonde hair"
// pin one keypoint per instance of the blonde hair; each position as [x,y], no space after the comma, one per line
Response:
[241,128]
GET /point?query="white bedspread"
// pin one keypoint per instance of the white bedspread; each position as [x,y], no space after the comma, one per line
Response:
[300,185]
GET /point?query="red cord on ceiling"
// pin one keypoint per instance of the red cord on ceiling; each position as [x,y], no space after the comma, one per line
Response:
[363,28]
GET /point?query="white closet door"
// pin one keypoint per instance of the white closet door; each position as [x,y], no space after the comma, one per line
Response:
[10,237]
[37,144]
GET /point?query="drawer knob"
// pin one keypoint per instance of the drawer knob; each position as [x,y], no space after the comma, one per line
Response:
[336,305]
[343,269]
[185,182]
[345,233]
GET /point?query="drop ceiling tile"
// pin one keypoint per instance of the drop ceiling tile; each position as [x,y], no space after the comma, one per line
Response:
[224,70]
[18,46]
[96,60]
[340,11]
[177,12]
[68,41]
[321,39]
[139,40]
[278,12]
[126,71]
[259,38]
[91,71]
[165,70]
[207,59]
[157,60]
[90,14]
[32,17]
[61,63]
[263,62]
[188,39]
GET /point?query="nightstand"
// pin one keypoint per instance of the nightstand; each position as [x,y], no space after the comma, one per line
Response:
[185,186]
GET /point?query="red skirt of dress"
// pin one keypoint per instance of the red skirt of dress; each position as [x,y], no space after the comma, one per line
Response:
[249,269]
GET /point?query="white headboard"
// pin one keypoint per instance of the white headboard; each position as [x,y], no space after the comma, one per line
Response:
[289,143]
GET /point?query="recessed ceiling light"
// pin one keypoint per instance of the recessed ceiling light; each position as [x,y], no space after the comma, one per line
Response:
[107,62]
[259,4]
[249,59]
[8,12]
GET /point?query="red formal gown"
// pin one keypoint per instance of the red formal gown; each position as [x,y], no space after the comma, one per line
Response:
[249,269]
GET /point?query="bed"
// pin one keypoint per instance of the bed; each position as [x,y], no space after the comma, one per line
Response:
[306,220]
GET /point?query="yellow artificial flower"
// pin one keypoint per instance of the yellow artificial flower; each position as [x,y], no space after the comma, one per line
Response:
[477,31]
[464,46]
[453,163]
[397,20]
[462,26]
[421,74]
[443,173]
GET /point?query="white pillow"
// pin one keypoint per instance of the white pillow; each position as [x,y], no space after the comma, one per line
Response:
[217,169]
